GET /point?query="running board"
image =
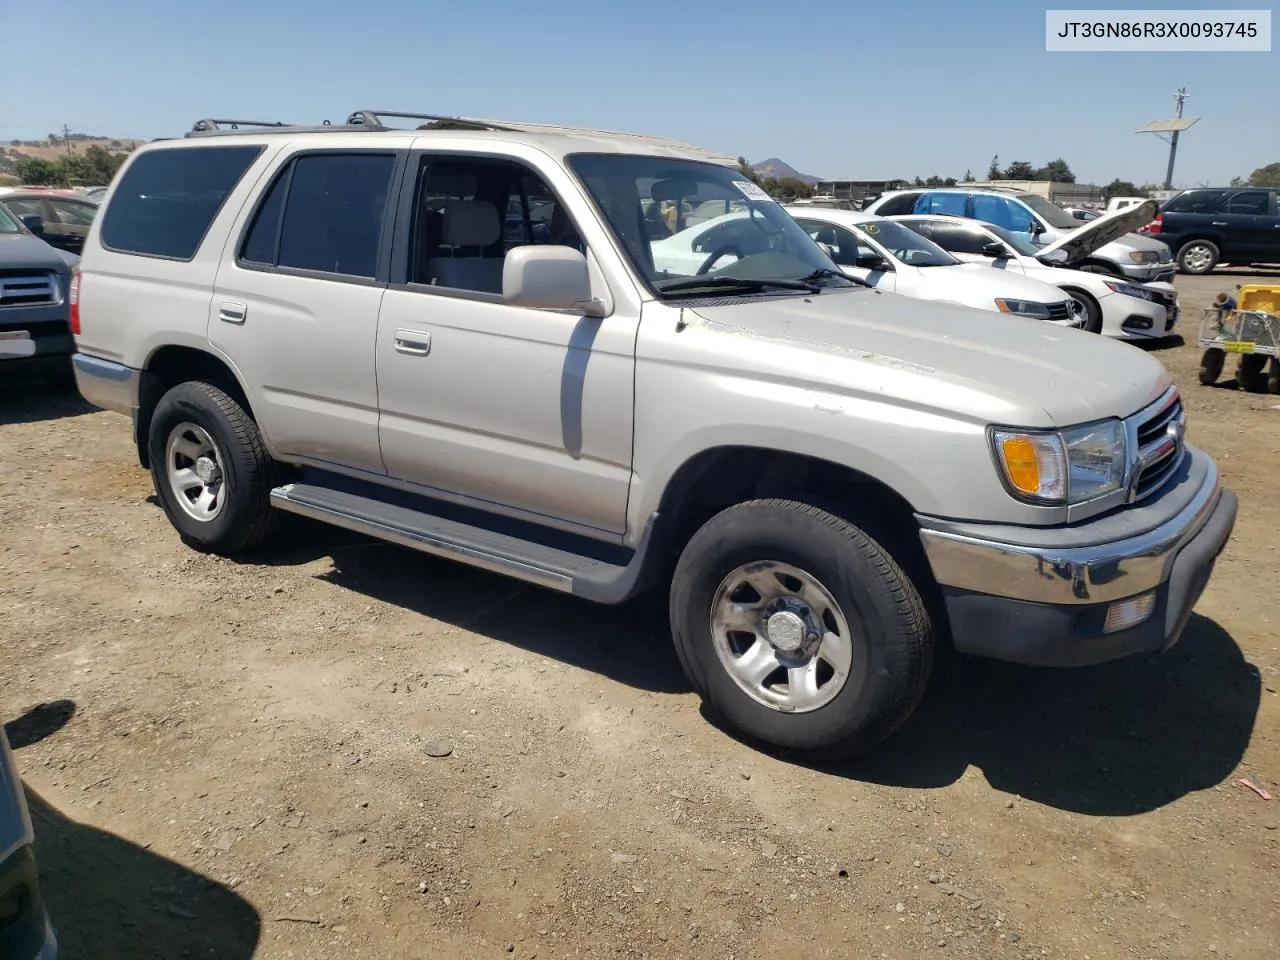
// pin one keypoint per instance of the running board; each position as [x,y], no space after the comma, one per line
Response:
[488,549]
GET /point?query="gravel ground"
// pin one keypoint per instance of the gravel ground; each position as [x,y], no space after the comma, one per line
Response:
[344,748]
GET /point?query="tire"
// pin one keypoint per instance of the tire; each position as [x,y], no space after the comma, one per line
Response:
[1092,312]
[227,509]
[1211,366]
[1273,380]
[1250,375]
[1197,257]
[879,621]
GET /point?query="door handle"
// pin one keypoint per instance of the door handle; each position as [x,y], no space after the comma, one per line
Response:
[412,342]
[229,311]
[1219,223]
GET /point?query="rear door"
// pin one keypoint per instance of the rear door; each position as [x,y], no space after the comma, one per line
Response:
[1008,213]
[1251,230]
[296,300]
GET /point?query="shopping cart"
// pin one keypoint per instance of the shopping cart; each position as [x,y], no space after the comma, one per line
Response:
[1250,329]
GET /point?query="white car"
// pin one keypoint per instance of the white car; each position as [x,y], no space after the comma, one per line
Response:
[1113,307]
[891,257]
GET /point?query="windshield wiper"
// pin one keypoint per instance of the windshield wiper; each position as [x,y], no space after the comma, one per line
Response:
[822,273]
[739,283]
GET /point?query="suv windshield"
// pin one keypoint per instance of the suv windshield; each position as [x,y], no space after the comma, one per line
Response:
[679,220]
[905,244]
[1051,213]
[7,223]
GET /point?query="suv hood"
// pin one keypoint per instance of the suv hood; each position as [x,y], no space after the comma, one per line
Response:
[1079,243]
[24,250]
[981,366]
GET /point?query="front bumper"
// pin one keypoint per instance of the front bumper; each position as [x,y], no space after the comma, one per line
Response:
[1042,597]
[25,931]
[1147,272]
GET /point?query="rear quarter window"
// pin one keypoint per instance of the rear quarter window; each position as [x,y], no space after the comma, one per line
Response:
[167,199]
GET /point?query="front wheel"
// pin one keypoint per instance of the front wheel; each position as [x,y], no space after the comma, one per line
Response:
[1211,366]
[1089,307]
[211,469]
[799,629]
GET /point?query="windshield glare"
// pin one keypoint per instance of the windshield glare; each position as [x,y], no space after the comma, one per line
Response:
[678,219]
[1051,213]
[904,244]
[7,223]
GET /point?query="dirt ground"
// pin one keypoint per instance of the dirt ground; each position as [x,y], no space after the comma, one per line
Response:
[232,759]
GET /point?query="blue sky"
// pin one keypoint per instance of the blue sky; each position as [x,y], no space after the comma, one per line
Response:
[836,89]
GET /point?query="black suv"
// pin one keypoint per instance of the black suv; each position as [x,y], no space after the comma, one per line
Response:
[1209,226]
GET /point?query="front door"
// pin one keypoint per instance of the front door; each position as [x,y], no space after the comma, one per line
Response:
[855,258]
[521,410]
[295,306]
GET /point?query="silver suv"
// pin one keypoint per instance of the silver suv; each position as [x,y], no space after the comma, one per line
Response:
[455,337]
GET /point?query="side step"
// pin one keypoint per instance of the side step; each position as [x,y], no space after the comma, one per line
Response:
[470,543]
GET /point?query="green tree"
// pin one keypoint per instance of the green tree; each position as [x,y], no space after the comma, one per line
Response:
[1057,171]
[102,165]
[744,168]
[37,172]
[1120,188]
[1019,170]
[1268,176]
[993,171]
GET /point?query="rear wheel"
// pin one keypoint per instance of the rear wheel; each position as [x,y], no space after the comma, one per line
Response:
[1211,366]
[1273,381]
[1250,375]
[799,629]
[1197,256]
[211,470]
[1088,306]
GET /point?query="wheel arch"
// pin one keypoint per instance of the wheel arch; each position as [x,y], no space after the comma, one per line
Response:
[172,364]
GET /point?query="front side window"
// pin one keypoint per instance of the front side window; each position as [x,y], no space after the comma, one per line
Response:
[75,214]
[1003,212]
[167,199]
[324,212]
[1196,201]
[1249,201]
[27,207]
[655,207]
[1049,212]
[7,223]
[849,252]
[953,237]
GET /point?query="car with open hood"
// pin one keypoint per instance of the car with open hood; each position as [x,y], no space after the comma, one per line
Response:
[360,324]
[896,259]
[1105,245]
[1111,306]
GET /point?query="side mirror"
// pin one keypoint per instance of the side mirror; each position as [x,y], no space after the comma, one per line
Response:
[35,223]
[550,278]
[1035,228]
[874,263]
[994,249]
[828,249]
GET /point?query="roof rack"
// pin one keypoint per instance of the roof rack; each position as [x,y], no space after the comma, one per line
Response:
[373,120]
[207,125]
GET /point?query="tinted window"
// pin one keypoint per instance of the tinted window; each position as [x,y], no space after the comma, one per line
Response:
[334,212]
[1196,201]
[1002,211]
[955,238]
[68,211]
[948,203]
[167,199]
[896,206]
[26,208]
[1249,201]
[260,246]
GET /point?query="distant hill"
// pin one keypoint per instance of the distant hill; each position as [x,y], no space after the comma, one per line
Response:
[780,169]
[51,150]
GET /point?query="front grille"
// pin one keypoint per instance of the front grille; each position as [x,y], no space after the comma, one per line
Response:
[22,288]
[1060,311]
[1160,447]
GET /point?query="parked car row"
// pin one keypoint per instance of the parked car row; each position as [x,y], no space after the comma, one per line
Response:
[60,218]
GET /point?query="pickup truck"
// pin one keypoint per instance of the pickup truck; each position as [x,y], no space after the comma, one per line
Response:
[360,324]
[34,281]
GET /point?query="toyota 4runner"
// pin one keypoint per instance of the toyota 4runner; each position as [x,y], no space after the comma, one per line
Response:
[455,338]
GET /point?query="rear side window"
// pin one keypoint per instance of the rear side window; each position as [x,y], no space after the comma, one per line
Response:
[167,199]
[1001,211]
[894,206]
[324,213]
[1196,201]
[955,238]
[952,204]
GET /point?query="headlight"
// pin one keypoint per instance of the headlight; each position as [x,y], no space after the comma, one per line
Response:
[1130,290]
[1023,308]
[1143,256]
[1061,467]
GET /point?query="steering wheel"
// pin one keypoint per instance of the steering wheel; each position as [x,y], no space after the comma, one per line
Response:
[716,254]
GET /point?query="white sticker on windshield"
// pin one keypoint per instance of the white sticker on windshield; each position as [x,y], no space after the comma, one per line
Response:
[751,190]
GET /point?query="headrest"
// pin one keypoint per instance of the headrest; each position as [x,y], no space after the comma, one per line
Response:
[470,223]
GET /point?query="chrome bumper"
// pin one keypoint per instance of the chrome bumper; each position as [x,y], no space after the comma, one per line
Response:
[106,384]
[1044,573]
